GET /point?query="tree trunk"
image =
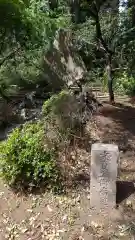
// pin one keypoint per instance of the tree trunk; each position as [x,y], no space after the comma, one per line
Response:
[75,11]
[110,80]
[53,4]
[108,55]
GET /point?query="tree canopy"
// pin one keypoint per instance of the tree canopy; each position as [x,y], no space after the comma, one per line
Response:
[104,35]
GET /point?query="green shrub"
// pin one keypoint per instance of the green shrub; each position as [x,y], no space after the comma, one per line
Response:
[58,111]
[64,109]
[64,116]
[68,112]
[56,103]
[26,159]
[126,84]
[57,119]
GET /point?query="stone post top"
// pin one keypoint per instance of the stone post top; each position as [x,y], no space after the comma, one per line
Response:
[104,147]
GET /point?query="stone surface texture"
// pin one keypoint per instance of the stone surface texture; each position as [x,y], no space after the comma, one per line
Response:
[62,63]
[104,161]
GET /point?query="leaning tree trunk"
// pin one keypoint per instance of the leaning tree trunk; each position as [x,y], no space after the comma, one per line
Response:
[110,79]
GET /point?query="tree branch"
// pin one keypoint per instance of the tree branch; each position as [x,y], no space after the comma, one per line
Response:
[100,36]
[95,15]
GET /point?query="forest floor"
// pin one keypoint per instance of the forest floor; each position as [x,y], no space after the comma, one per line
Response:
[56,217]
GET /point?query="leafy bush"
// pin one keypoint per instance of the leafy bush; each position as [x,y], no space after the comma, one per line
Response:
[65,110]
[26,159]
[57,117]
[31,31]
[54,104]
[126,84]
[66,115]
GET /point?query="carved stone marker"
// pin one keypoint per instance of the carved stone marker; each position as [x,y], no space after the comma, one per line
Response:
[104,160]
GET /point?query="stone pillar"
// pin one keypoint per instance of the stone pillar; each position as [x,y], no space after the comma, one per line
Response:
[104,161]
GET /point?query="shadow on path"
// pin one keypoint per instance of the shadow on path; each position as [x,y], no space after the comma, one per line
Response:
[124,115]
[124,190]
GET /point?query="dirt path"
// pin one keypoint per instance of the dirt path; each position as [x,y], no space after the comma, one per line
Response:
[67,216]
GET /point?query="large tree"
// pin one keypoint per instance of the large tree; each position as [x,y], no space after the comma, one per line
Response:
[95,8]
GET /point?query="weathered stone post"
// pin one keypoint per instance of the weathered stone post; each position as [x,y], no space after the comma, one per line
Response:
[104,161]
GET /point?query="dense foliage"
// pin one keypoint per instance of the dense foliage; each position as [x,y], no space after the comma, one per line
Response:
[27,29]
[26,32]
[105,38]
[26,159]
